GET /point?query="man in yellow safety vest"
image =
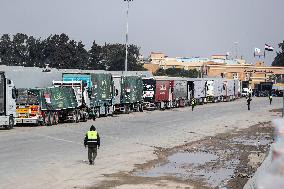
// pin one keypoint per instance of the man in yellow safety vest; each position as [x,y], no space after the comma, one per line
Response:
[92,140]
[193,103]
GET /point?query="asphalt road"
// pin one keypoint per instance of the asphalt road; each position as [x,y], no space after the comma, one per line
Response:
[54,157]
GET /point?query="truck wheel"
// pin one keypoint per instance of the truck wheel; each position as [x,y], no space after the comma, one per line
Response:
[77,117]
[11,123]
[47,119]
[98,113]
[127,109]
[141,108]
[51,119]
[55,118]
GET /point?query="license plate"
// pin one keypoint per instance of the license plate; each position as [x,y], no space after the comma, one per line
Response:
[23,110]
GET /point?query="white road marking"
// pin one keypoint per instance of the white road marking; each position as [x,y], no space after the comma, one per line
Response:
[59,139]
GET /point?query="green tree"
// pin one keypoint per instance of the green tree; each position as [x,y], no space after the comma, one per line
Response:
[177,72]
[20,52]
[279,59]
[114,57]
[6,50]
[96,61]
[35,49]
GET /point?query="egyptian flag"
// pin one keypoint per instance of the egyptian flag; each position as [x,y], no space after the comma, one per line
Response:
[268,48]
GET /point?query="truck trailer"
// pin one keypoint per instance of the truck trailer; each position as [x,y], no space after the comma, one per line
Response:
[47,106]
[180,92]
[7,102]
[102,94]
[228,90]
[128,94]
[164,93]
[214,89]
[82,96]
[197,89]
[149,89]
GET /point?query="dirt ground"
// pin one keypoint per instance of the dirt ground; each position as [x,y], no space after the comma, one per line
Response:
[227,160]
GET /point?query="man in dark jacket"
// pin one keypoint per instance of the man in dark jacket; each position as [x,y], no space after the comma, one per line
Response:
[92,140]
[270,98]
[248,102]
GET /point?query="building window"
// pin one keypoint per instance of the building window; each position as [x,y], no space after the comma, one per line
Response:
[235,75]
[247,76]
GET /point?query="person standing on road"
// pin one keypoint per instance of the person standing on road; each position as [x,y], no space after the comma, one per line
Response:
[270,98]
[193,103]
[92,140]
[248,102]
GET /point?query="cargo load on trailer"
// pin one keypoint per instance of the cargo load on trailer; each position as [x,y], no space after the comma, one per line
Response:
[47,106]
[81,93]
[164,93]
[102,94]
[128,93]
[7,102]
[149,89]
[197,89]
[228,90]
[214,90]
[180,92]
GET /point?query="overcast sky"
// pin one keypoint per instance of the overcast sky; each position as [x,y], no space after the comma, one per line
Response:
[177,27]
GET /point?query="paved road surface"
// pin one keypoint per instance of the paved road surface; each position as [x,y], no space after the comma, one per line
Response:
[54,157]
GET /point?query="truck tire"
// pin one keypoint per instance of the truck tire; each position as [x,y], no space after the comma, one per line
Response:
[84,118]
[127,109]
[51,119]
[78,117]
[47,119]
[55,118]
[11,123]
[98,113]
[141,108]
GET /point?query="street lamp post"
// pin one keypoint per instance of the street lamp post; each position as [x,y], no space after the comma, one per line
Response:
[126,36]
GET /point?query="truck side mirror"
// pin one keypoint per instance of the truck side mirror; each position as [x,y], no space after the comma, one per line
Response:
[116,92]
[14,93]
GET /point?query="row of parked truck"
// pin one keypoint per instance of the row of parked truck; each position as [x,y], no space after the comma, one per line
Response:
[171,92]
[82,96]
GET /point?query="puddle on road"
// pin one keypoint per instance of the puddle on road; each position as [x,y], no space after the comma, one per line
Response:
[192,158]
[193,165]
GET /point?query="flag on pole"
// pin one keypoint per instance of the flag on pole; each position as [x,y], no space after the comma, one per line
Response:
[268,48]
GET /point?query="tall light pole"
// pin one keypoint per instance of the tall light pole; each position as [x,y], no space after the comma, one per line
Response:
[126,36]
[236,49]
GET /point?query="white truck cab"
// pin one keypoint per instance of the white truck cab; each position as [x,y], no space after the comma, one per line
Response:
[7,102]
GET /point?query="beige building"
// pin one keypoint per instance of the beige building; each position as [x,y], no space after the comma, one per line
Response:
[217,66]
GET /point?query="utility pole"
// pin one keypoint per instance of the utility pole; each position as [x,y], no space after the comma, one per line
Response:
[236,49]
[126,36]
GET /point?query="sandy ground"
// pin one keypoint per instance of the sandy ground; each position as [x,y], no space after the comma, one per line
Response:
[54,157]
